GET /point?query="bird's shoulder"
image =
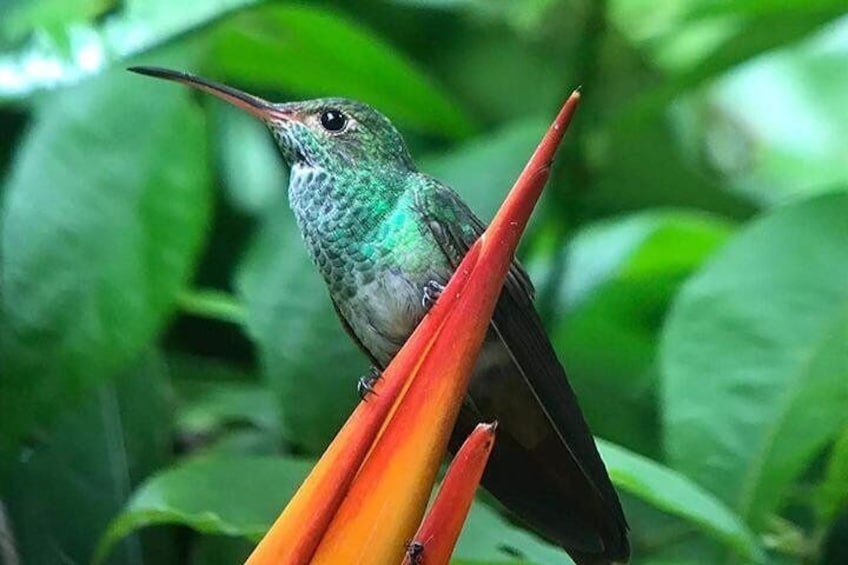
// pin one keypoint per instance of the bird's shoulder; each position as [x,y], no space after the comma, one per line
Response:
[456,227]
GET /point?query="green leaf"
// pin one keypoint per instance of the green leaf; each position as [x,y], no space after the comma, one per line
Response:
[226,495]
[209,406]
[212,304]
[241,496]
[674,493]
[754,363]
[24,16]
[643,168]
[699,39]
[102,222]
[832,494]
[620,280]
[311,52]
[489,538]
[251,167]
[81,48]
[483,170]
[64,488]
[733,128]
[309,361]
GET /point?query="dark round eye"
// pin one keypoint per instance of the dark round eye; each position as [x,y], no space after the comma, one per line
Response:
[333,120]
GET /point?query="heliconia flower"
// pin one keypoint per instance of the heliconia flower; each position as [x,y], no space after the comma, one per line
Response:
[437,535]
[364,500]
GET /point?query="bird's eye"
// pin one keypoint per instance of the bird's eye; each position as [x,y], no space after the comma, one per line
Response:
[333,120]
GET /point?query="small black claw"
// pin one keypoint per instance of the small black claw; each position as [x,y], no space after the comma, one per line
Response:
[415,552]
[365,386]
[431,292]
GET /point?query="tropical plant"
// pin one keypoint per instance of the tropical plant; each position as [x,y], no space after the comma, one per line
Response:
[170,366]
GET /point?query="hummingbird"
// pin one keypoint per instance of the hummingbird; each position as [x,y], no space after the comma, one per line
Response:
[386,238]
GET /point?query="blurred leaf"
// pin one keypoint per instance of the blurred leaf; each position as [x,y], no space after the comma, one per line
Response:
[103,218]
[53,58]
[526,16]
[641,165]
[223,408]
[483,170]
[208,407]
[754,361]
[489,538]
[227,495]
[832,493]
[220,550]
[732,125]
[310,363]
[677,495]
[701,38]
[621,277]
[65,488]
[241,496]
[311,51]
[252,168]
[23,16]
[213,304]
[481,62]
[660,537]
[635,250]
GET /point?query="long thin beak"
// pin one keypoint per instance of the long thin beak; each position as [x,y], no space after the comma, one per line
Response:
[260,108]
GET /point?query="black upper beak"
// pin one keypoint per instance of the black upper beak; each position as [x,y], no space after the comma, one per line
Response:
[259,107]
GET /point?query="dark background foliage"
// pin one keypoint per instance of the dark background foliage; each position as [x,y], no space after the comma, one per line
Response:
[170,364]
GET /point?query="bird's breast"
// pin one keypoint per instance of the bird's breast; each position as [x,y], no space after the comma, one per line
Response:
[384,311]
[375,257]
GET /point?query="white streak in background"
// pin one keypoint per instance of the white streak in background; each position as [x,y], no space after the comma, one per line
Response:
[49,61]
[89,53]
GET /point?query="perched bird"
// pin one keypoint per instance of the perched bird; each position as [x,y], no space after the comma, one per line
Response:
[386,238]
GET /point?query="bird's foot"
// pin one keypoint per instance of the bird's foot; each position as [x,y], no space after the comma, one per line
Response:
[415,552]
[431,292]
[365,386]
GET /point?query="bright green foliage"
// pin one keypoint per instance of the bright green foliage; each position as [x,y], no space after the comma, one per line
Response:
[103,217]
[169,356]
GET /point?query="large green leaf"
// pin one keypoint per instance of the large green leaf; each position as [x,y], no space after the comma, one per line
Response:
[621,276]
[311,364]
[241,496]
[233,496]
[103,218]
[754,357]
[66,487]
[675,494]
[311,51]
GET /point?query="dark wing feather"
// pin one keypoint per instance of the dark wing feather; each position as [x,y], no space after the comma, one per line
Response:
[543,440]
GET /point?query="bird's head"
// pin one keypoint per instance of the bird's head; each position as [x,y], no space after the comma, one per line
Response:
[334,135]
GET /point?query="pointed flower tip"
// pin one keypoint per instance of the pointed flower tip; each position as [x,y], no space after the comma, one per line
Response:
[437,536]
